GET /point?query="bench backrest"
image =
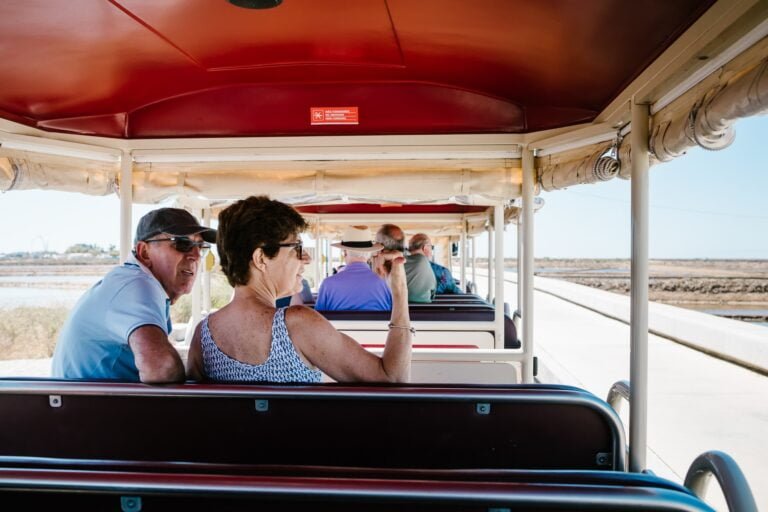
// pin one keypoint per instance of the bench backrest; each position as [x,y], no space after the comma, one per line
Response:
[134,491]
[442,315]
[427,427]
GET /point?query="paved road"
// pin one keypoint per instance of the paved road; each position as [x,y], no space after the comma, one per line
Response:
[696,402]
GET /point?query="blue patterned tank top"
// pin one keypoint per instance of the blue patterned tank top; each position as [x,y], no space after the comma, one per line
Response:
[282,365]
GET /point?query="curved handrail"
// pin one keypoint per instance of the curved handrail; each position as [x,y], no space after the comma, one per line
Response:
[732,481]
[620,389]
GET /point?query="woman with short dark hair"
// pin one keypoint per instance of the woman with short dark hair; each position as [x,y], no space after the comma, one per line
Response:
[250,339]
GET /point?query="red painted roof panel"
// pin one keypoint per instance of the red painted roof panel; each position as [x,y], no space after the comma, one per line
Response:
[148,68]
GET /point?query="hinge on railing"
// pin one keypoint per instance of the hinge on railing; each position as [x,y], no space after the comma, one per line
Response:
[130,503]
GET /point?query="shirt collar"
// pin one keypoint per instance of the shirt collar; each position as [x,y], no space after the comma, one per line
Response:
[131,261]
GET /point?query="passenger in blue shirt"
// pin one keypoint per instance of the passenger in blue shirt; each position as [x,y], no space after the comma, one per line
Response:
[421,244]
[356,286]
[119,329]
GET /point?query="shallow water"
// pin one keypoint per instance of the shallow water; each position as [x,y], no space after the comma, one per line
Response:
[11,297]
[75,280]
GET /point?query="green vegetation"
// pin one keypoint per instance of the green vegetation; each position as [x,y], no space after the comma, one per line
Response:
[30,332]
[93,250]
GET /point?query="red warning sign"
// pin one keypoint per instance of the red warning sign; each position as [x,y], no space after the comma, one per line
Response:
[333,115]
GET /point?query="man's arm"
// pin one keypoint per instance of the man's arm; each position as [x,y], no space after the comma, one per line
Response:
[157,360]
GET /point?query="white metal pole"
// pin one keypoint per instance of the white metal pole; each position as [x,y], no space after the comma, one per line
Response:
[463,258]
[203,261]
[474,262]
[638,371]
[490,264]
[126,204]
[527,275]
[316,263]
[196,288]
[498,223]
[519,226]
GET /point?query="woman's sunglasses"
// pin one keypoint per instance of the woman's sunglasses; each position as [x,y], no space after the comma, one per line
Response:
[182,243]
[299,246]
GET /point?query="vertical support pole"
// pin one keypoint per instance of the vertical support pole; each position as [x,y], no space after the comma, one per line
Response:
[328,256]
[204,262]
[474,262]
[498,224]
[197,287]
[126,204]
[519,258]
[527,275]
[489,297]
[638,369]
[316,262]
[463,258]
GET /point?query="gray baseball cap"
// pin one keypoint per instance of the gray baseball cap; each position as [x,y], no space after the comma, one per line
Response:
[173,221]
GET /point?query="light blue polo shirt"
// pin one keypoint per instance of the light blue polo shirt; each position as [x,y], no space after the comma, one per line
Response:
[93,344]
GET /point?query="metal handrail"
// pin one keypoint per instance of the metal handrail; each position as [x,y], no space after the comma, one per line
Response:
[732,481]
[620,389]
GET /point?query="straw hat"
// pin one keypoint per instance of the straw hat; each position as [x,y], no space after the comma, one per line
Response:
[358,238]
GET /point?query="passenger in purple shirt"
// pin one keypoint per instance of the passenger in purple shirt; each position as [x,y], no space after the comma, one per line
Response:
[356,286]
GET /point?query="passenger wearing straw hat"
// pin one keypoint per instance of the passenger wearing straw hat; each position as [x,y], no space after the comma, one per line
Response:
[356,286]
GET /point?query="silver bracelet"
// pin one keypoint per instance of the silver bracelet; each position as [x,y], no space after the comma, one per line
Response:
[393,326]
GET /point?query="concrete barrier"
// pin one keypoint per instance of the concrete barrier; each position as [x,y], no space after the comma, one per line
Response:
[732,340]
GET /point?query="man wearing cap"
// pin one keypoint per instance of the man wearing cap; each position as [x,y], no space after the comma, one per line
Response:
[356,286]
[119,329]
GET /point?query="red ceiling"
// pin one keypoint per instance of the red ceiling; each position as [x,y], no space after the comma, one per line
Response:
[170,68]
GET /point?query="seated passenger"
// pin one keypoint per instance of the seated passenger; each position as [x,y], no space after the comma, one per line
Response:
[421,244]
[420,278]
[250,339]
[355,286]
[119,329]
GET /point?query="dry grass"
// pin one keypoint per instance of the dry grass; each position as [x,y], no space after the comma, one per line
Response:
[30,332]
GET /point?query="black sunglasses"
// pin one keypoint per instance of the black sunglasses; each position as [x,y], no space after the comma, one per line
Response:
[182,243]
[299,246]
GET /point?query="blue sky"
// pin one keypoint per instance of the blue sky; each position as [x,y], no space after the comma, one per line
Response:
[703,205]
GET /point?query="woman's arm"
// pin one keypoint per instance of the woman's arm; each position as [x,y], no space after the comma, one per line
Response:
[340,356]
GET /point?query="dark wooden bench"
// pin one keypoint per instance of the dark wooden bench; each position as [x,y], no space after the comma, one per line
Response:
[395,427]
[47,489]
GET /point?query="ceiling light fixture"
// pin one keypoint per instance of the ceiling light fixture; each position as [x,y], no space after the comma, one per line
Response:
[256,4]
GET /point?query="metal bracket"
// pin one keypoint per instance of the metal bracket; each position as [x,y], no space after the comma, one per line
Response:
[483,408]
[130,503]
[54,400]
[603,458]
[262,405]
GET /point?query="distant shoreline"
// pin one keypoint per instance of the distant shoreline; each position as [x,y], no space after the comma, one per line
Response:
[701,284]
